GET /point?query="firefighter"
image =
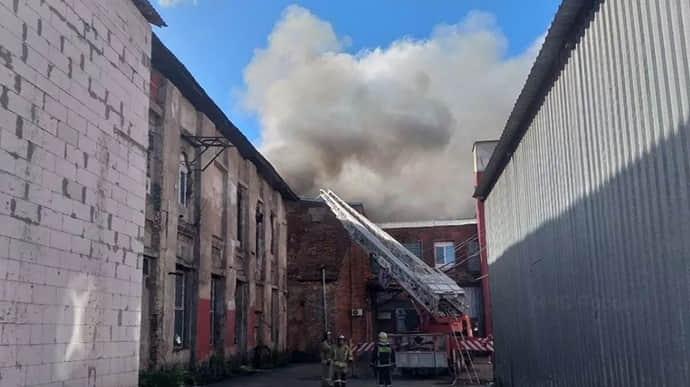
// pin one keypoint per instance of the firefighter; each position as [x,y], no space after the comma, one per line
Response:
[326,352]
[383,360]
[341,356]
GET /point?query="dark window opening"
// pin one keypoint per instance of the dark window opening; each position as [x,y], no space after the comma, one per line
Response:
[242,216]
[260,241]
[217,311]
[182,318]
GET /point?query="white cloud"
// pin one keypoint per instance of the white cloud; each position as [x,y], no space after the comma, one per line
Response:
[392,127]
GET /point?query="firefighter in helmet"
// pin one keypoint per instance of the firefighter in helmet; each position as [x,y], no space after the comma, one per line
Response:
[341,356]
[383,360]
[326,352]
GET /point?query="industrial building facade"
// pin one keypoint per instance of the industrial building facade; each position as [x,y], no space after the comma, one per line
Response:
[215,238]
[587,203]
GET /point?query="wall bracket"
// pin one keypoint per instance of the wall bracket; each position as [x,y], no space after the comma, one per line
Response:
[205,143]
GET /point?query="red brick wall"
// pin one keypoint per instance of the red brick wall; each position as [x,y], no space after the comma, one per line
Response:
[352,293]
[316,239]
[429,235]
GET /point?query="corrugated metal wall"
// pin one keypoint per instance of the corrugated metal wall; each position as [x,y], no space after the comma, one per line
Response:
[588,227]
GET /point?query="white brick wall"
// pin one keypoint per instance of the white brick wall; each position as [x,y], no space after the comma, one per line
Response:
[70,177]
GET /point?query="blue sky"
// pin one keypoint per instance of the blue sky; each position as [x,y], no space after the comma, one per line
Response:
[216,39]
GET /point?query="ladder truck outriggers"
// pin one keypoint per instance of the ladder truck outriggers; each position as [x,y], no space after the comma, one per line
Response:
[439,300]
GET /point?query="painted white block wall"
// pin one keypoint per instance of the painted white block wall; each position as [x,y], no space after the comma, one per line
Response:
[74,81]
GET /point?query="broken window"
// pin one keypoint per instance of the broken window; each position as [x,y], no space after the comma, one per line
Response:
[444,253]
[183,181]
[181,322]
[216,310]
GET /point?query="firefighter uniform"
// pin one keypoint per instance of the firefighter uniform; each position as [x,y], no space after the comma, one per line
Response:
[341,356]
[326,352]
[383,360]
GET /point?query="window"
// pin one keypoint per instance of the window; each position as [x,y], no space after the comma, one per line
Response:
[241,215]
[241,298]
[444,252]
[275,318]
[181,301]
[260,241]
[275,240]
[183,181]
[274,233]
[146,269]
[414,247]
[216,310]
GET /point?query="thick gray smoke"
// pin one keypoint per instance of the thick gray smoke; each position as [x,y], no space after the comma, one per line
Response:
[390,127]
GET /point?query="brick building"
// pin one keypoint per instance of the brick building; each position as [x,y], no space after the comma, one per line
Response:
[74,80]
[450,245]
[215,240]
[356,306]
[318,245]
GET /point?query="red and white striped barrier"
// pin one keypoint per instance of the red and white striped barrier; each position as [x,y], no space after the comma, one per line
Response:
[479,344]
[363,348]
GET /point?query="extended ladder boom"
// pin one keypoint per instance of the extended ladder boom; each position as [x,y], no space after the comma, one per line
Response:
[430,287]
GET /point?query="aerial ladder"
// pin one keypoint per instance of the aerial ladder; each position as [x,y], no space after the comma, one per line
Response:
[431,289]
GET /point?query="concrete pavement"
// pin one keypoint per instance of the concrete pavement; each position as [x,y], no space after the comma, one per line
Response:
[306,375]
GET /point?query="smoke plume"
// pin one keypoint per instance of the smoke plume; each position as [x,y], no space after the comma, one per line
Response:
[391,127]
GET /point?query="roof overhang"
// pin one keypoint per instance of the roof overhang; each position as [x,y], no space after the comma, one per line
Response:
[566,28]
[150,13]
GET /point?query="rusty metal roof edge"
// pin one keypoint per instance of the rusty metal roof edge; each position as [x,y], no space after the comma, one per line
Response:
[565,27]
[163,60]
[149,12]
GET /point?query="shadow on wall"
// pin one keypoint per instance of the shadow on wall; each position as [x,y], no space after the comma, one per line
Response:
[600,296]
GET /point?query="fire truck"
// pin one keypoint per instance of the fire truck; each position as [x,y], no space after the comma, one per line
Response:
[445,339]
